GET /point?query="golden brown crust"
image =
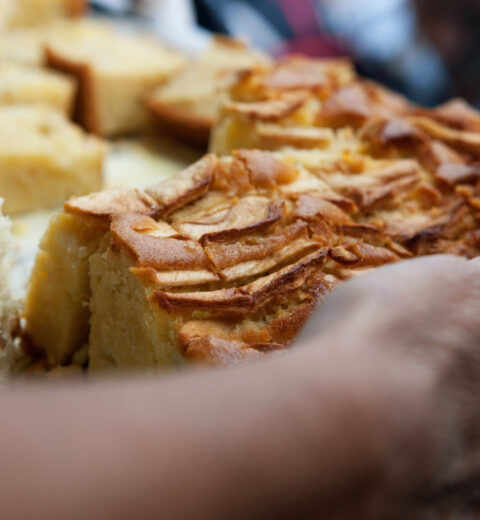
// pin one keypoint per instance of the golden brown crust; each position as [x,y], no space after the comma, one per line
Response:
[77,8]
[116,201]
[271,109]
[456,113]
[462,140]
[185,187]
[181,122]
[298,73]
[349,105]
[245,299]
[275,136]
[221,341]
[357,103]
[84,111]
[309,207]
[234,253]
[265,171]
[215,350]
[157,245]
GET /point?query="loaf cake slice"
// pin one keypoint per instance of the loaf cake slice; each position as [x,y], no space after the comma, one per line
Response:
[115,73]
[23,46]
[188,105]
[226,260]
[24,13]
[26,85]
[44,159]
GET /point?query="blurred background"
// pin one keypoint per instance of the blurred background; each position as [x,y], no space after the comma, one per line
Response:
[428,50]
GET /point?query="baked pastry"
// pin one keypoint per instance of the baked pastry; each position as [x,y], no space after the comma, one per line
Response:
[189,103]
[278,105]
[26,85]
[281,107]
[304,103]
[226,260]
[115,72]
[23,46]
[150,266]
[22,13]
[44,159]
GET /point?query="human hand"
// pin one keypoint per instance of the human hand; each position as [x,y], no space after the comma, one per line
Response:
[414,329]
[372,414]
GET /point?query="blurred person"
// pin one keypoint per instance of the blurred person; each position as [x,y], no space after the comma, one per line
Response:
[373,413]
[452,27]
[383,37]
[425,49]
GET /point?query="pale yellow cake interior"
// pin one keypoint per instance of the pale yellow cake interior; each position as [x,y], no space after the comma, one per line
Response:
[33,86]
[44,159]
[122,319]
[60,286]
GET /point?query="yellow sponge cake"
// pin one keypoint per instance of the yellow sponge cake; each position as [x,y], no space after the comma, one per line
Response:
[44,159]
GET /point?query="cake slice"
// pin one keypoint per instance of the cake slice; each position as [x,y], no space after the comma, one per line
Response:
[23,13]
[310,104]
[23,45]
[115,72]
[44,159]
[26,85]
[278,105]
[221,263]
[188,105]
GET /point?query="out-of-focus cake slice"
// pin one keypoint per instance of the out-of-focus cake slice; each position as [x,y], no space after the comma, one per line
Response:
[188,105]
[300,102]
[22,13]
[115,73]
[223,262]
[23,45]
[44,159]
[26,85]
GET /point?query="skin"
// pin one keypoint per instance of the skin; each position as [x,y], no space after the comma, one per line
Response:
[372,414]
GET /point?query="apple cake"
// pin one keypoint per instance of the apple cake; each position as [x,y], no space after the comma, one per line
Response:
[26,85]
[44,159]
[188,104]
[276,105]
[8,308]
[115,72]
[294,104]
[226,260]
[22,13]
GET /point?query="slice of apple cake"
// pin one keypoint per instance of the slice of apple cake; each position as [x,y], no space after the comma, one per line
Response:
[188,104]
[224,261]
